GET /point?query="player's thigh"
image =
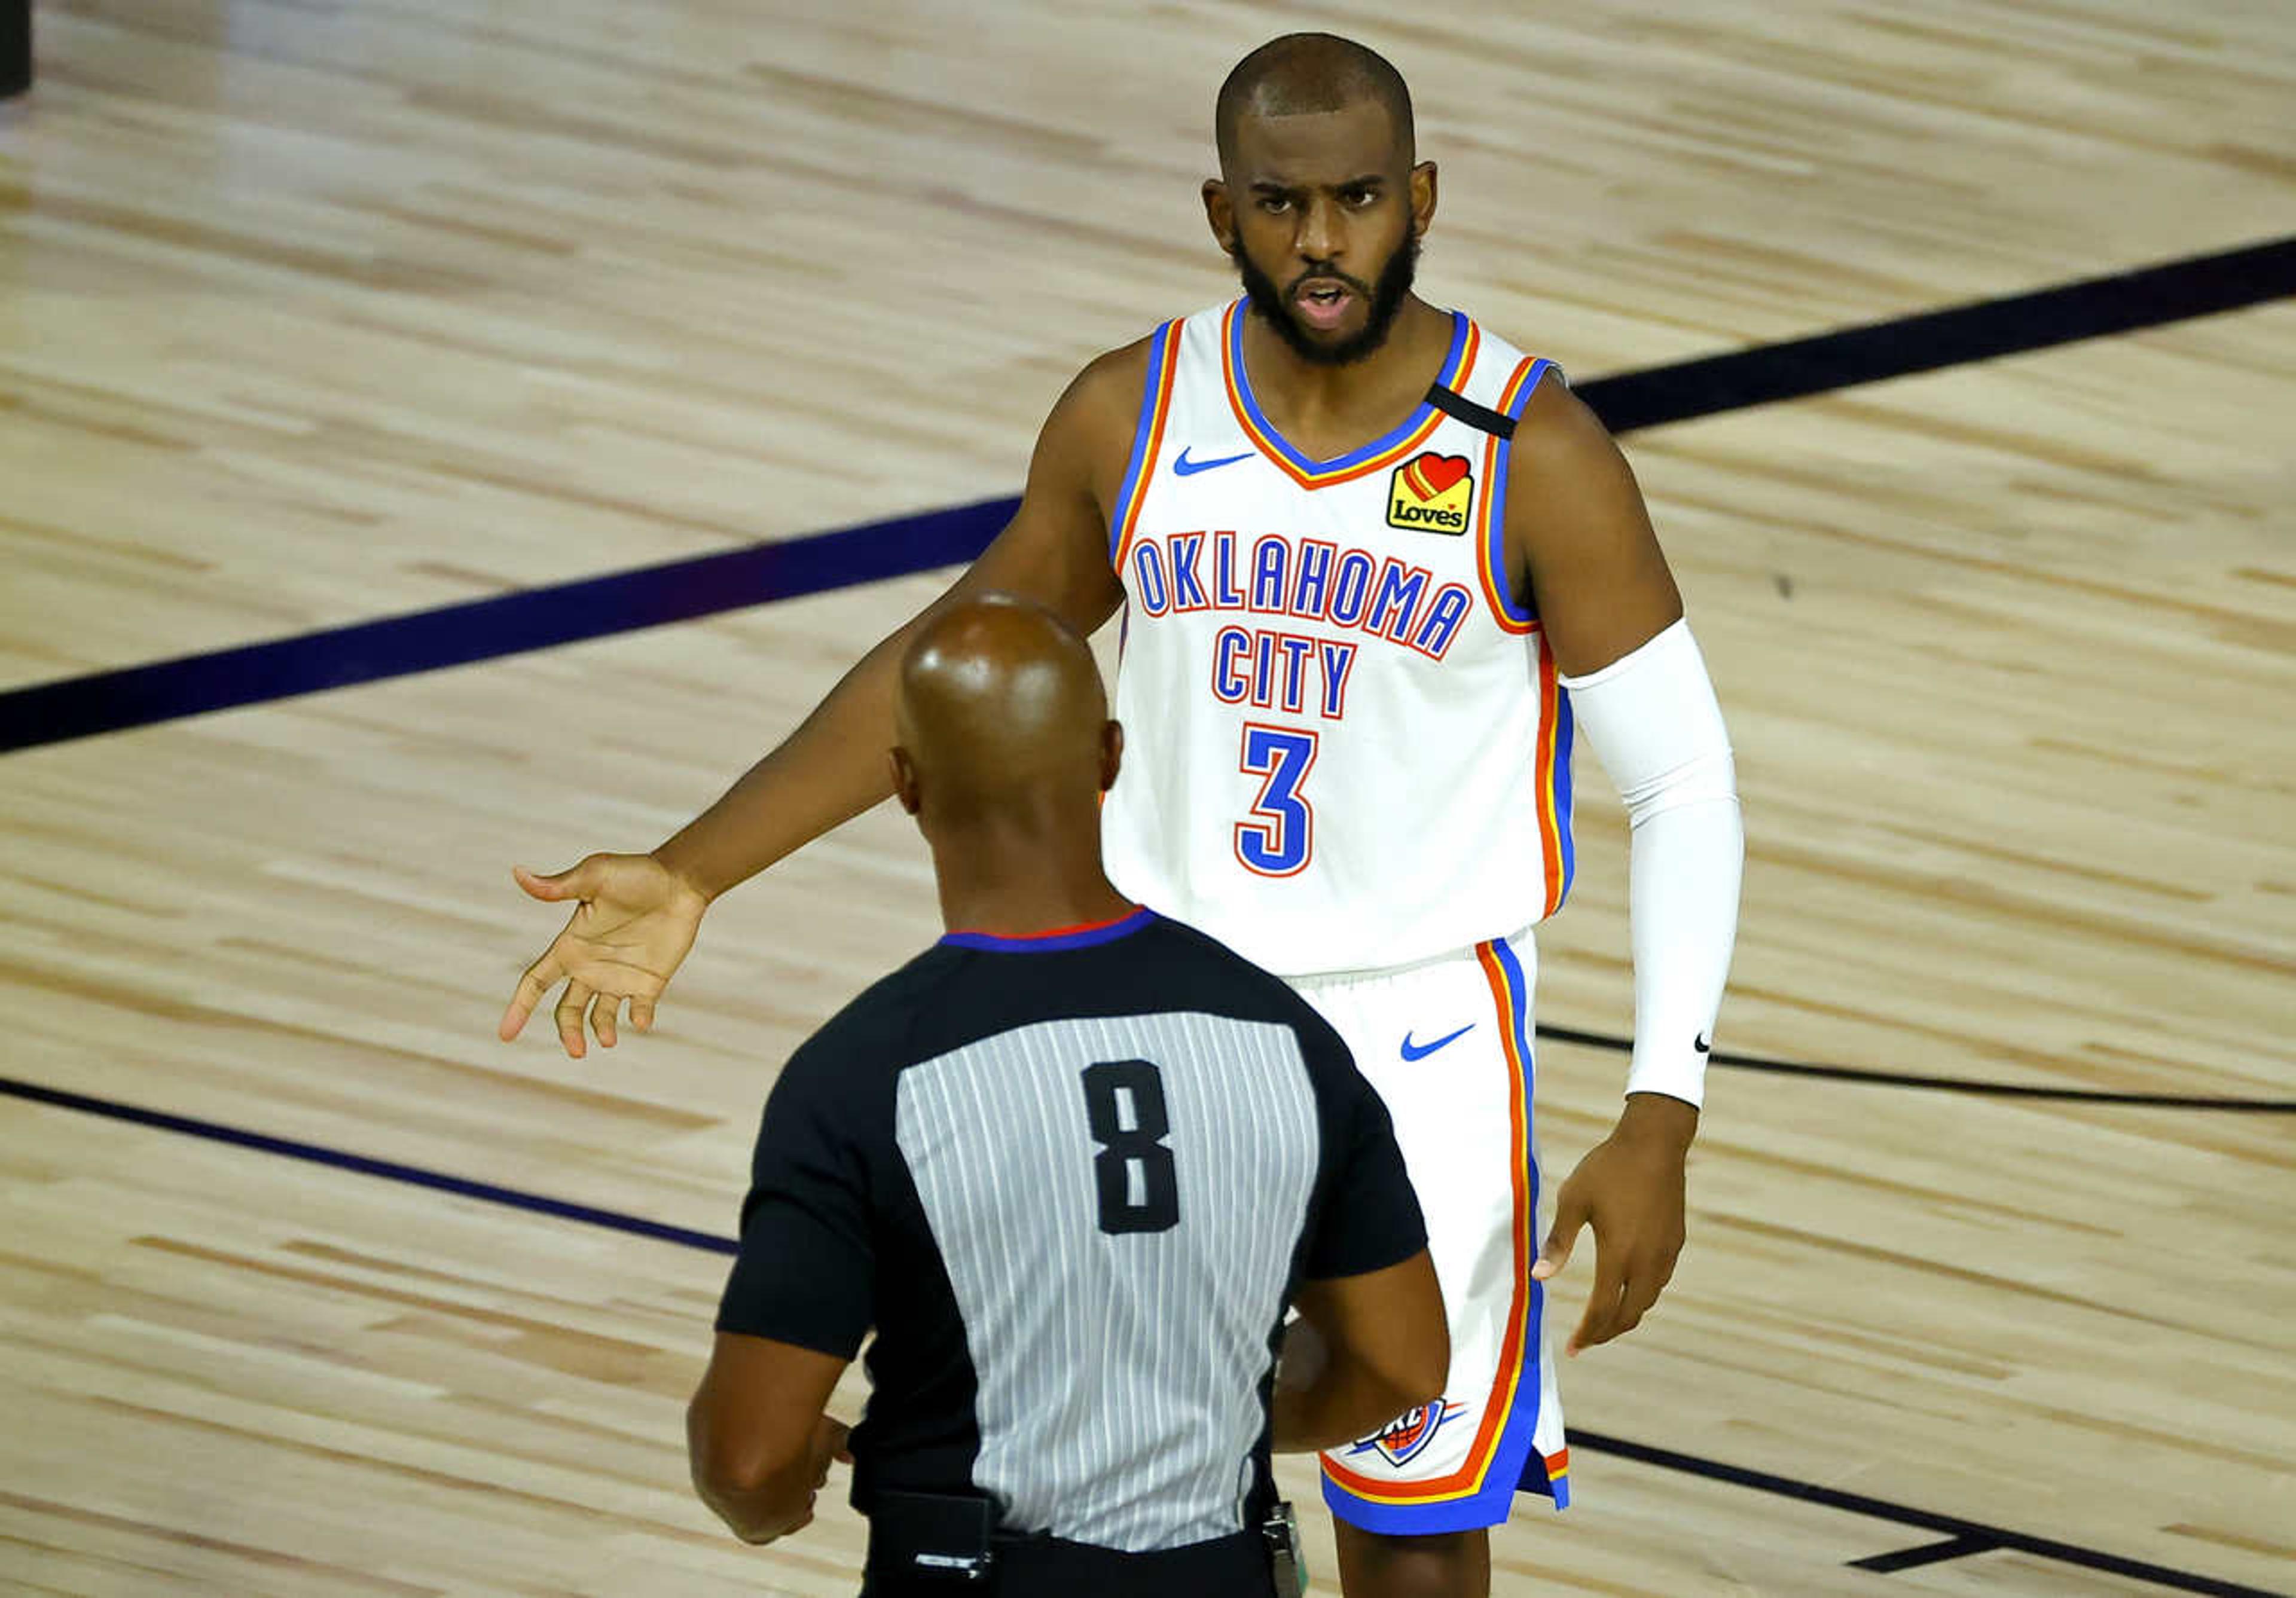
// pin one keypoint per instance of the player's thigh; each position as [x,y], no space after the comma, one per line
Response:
[1440,1043]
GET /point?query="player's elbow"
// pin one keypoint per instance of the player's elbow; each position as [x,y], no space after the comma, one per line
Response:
[757,1487]
[736,1468]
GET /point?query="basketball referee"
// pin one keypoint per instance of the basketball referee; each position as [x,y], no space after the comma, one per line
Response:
[1071,1165]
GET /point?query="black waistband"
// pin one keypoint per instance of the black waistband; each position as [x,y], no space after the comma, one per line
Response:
[1228,1566]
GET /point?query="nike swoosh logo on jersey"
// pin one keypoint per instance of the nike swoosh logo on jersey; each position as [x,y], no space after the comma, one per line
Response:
[1185,467]
[1420,1051]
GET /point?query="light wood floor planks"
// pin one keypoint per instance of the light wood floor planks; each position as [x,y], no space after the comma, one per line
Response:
[314,312]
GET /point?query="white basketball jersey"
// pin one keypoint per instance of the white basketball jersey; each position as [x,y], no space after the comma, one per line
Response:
[1345,747]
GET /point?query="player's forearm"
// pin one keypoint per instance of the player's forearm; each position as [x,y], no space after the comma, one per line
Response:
[1683,886]
[1344,1403]
[824,774]
[762,1490]
[1324,1399]
[1651,719]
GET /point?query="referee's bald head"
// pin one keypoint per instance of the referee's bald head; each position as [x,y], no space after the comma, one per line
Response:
[1001,719]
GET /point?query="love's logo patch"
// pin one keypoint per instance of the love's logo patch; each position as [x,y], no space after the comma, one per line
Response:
[1431,494]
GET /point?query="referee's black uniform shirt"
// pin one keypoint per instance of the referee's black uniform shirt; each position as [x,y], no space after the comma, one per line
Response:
[1071,1181]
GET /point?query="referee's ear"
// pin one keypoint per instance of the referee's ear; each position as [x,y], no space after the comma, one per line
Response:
[905,779]
[1111,753]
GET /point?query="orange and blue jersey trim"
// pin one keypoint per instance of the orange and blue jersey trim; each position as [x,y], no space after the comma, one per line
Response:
[1147,439]
[1558,794]
[1490,542]
[1378,455]
[1551,779]
[1501,1460]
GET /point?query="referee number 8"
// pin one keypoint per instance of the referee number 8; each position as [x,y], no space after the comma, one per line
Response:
[1124,1105]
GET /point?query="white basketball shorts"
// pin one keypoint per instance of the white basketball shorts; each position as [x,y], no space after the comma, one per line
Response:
[1448,1044]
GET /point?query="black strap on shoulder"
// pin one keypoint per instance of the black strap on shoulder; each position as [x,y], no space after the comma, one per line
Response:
[1497,423]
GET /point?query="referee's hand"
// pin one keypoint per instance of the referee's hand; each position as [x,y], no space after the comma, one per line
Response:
[1630,1188]
[832,1440]
[829,1444]
[633,920]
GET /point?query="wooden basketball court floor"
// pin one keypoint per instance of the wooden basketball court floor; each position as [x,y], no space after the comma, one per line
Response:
[314,312]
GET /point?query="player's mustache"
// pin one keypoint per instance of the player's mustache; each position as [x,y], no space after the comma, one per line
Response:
[1317,272]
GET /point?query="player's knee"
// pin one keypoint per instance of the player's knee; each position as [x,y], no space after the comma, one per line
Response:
[1452,1564]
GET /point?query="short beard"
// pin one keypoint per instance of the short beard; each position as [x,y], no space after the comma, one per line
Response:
[1385,299]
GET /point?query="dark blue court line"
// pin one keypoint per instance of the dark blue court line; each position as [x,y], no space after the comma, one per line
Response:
[1965,1536]
[534,618]
[2201,285]
[1926,1553]
[1996,1090]
[389,1170]
[486,629]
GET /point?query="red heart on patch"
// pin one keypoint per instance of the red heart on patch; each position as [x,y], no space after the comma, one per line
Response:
[1439,472]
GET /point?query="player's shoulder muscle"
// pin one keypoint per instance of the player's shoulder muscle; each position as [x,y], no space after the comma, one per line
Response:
[1055,548]
[1559,430]
[1088,436]
[1568,481]
[1579,534]
[1563,469]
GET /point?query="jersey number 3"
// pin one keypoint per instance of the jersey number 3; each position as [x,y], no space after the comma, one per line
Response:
[1280,843]
[1124,1103]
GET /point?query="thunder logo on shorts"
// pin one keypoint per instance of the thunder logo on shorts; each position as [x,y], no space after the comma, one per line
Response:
[1400,1443]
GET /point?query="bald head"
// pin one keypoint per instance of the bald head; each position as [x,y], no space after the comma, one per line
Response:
[1000,712]
[1303,73]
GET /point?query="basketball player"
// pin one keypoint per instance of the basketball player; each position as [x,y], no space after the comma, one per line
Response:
[1379,568]
[1023,1159]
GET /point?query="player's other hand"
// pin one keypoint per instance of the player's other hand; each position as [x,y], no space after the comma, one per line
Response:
[829,1444]
[832,1441]
[1630,1188]
[633,921]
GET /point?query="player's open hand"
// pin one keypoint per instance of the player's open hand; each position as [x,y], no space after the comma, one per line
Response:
[634,921]
[1630,1188]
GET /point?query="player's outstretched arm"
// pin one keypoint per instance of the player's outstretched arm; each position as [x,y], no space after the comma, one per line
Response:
[624,947]
[1583,544]
[1053,552]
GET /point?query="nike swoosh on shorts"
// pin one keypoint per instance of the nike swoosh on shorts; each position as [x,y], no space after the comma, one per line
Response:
[1412,1051]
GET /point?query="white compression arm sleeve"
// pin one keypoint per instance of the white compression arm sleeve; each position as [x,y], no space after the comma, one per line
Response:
[1652,721]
